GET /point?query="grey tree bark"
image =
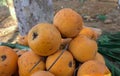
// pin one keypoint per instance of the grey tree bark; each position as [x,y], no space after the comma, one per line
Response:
[31,12]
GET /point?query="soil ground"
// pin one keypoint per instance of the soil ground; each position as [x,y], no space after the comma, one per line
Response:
[90,10]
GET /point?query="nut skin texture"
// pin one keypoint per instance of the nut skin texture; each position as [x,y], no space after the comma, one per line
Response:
[8,61]
[23,40]
[44,39]
[83,48]
[93,68]
[68,22]
[42,73]
[64,66]
[99,58]
[89,32]
[27,61]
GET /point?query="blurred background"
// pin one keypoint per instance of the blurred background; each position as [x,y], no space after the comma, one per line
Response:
[103,14]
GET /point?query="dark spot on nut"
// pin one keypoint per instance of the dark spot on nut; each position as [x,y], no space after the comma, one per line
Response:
[3,57]
[23,37]
[5,65]
[19,55]
[34,35]
[51,48]
[70,64]
[16,50]
[12,74]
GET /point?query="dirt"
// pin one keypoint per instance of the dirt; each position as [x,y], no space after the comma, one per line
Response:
[93,8]
[88,9]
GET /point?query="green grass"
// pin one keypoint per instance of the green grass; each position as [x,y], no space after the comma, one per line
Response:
[2,2]
[82,1]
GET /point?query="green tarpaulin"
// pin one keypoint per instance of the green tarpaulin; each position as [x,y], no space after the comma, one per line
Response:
[109,47]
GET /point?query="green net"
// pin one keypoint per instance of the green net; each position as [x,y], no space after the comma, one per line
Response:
[109,47]
[18,46]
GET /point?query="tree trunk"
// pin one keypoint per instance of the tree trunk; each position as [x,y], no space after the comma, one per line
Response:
[11,9]
[31,12]
[119,4]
